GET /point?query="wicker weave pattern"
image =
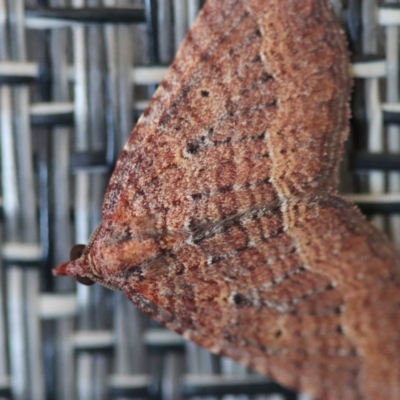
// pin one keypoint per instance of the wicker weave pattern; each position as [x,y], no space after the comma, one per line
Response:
[74,76]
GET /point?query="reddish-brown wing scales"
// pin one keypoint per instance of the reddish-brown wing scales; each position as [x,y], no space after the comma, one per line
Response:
[222,221]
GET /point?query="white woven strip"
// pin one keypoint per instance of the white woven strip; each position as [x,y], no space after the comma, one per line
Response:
[129,381]
[369,69]
[389,16]
[21,251]
[148,75]
[52,108]
[28,69]
[93,339]
[368,198]
[48,23]
[162,337]
[391,107]
[52,306]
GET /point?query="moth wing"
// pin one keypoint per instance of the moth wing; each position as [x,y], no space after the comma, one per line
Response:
[230,125]
[303,298]
[245,292]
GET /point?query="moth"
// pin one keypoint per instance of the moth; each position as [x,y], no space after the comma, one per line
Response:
[222,219]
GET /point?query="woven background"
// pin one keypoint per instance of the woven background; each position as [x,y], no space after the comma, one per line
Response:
[74,77]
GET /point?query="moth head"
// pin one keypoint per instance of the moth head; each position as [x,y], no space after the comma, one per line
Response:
[112,252]
[116,250]
[78,266]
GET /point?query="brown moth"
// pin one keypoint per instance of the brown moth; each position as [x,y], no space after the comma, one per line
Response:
[222,219]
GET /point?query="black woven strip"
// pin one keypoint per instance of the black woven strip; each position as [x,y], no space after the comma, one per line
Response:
[130,392]
[22,263]
[91,15]
[354,26]
[365,58]
[375,161]
[380,207]
[163,348]
[152,29]
[95,349]
[266,388]
[237,388]
[394,6]
[391,117]
[49,120]
[89,160]
[42,166]
[16,80]
[5,392]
